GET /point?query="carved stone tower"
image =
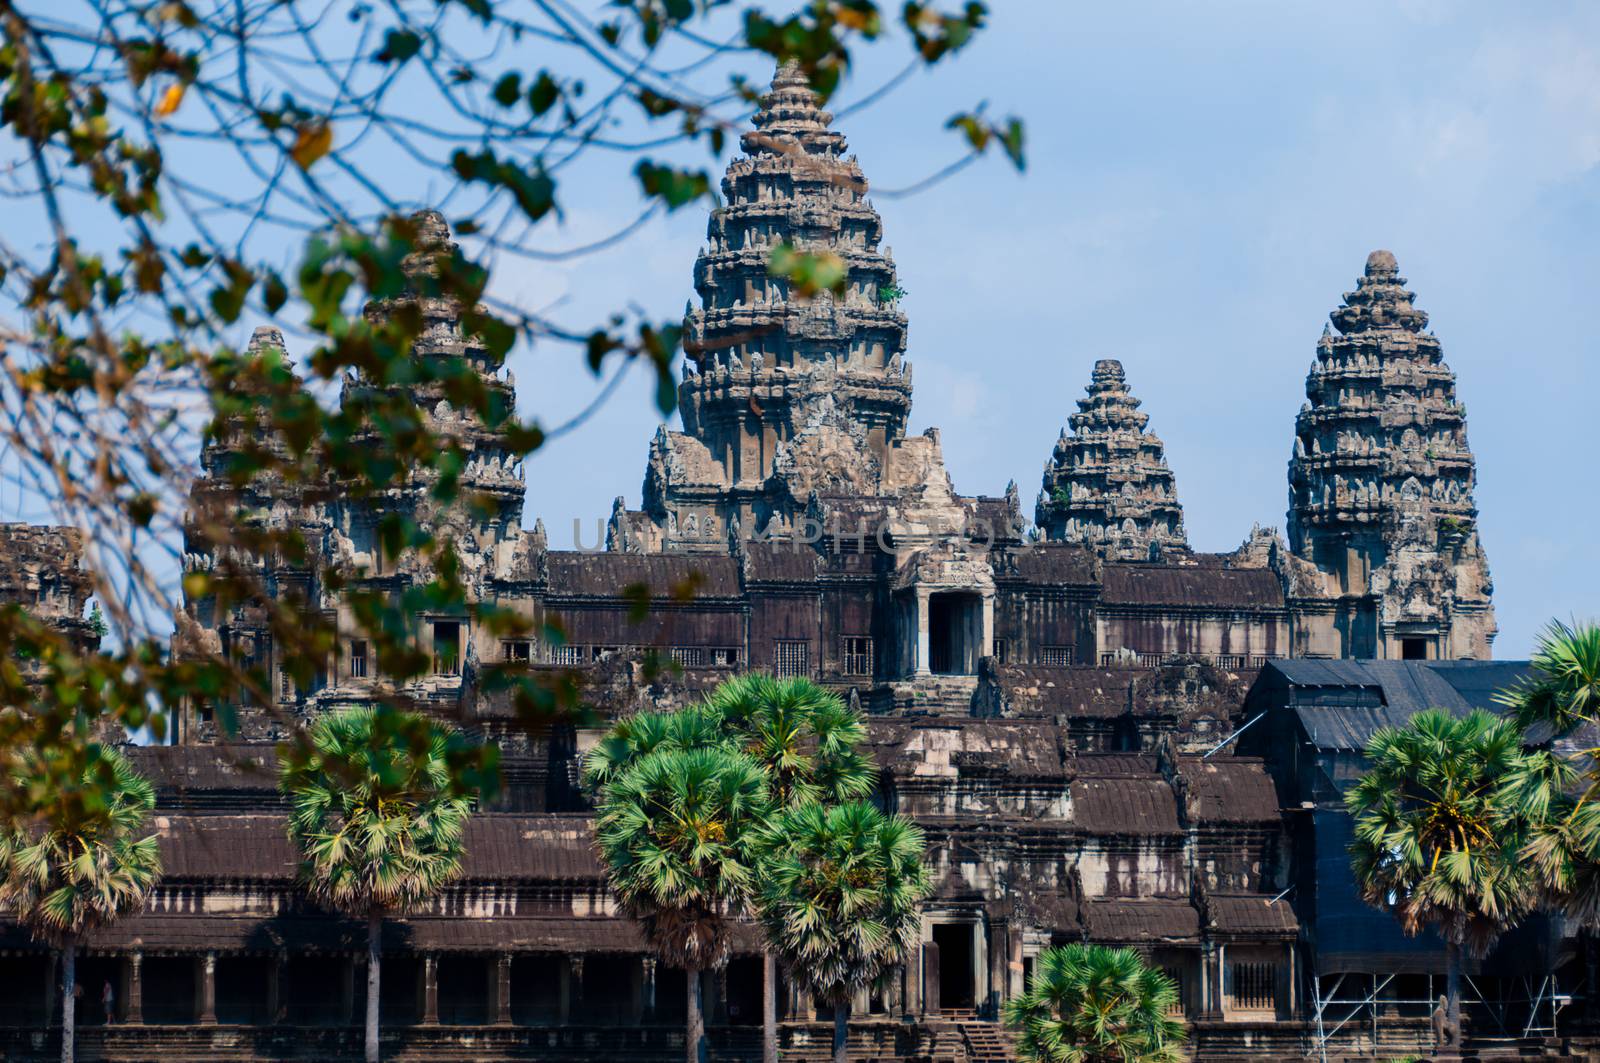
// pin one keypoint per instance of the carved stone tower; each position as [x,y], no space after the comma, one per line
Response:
[782,396]
[1380,488]
[1107,484]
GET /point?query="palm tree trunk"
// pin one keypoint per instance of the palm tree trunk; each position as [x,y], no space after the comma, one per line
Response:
[841,1032]
[769,1007]
[1452,988]
[374,974]
[69,988]
[694,1041]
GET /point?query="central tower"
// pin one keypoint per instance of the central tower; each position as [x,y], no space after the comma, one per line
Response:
[783,396]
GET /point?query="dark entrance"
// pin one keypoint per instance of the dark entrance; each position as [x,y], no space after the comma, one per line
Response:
[1413,649]
[955,624]
[744,990]
[955,966]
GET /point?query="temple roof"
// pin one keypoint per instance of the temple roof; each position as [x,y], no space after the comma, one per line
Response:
[1192,586]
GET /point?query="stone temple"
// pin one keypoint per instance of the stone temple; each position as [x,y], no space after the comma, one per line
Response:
[1106,734]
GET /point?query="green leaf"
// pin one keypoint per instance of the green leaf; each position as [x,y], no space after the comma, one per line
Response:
[673,186]
[508,89]
[398,46]
[543,94]
[274,293]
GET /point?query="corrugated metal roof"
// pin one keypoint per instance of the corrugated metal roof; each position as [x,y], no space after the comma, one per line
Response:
[1338,713]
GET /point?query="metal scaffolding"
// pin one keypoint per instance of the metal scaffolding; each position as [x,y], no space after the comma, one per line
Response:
[1542,997]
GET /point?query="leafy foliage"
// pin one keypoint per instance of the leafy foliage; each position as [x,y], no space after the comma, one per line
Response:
[1560,787]
[1439,827]
[676,831]
[377,813]
[86,865]
[1093,1004]
[805,738]
[191,168]
[839,895]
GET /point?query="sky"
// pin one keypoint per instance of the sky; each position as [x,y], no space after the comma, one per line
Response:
[1203,184]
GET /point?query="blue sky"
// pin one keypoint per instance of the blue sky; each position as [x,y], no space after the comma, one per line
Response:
[1204,181]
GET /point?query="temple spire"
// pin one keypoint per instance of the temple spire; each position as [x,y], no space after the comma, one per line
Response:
[775,375]
[1381,479]
[1107,485]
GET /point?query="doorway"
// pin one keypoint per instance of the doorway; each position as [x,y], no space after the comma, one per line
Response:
[955,627]
[1413,649]
[955,966]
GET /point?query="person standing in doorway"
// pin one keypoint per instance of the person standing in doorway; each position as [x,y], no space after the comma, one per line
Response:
[108,1001]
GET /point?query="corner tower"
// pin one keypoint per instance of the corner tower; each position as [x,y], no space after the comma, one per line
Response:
[773,381]
[1380,488]
[1107,485]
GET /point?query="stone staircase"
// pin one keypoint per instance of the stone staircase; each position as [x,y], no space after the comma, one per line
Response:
[987,1042]
[935,695]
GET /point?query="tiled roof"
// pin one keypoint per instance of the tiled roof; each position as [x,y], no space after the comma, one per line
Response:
[608,574]
[1231,790]
[499,847]
[1195,586]
[1113,922]
[1124,806]
[1252,915]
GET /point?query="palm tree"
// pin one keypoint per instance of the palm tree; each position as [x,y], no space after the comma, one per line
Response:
[377,820]
[1562,791]
[1439,829]
[806,740]
[809,742]
[1093,1004]
[675,830]
[839,900]
[84,870]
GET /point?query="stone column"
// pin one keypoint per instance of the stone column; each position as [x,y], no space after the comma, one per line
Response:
[930,978]
[347,992]
[1014,983]
[717,1011]
[648,975]
[564,990]
[275,1001]
[208,989]
[430,989]
[999,946]
[636,994]
[921,617]
[133,992]
[50,993]
[1211,996]
[986,638]
[574,988]
[913,984]
[501,1014]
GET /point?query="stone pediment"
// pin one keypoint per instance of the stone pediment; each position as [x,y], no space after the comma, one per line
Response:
[946,566]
